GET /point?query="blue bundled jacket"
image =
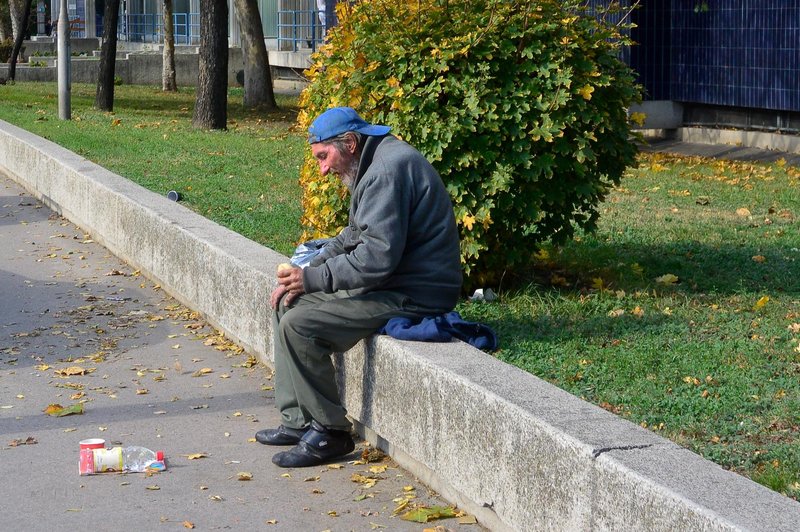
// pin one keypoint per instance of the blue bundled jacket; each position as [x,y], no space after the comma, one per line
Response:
[442,328]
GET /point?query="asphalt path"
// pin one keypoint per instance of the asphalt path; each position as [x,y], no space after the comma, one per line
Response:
[80,327]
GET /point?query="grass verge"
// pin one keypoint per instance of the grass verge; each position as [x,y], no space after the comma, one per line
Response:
[681,313]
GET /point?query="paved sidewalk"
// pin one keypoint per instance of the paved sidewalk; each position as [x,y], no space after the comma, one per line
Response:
[719,151]
[154,375]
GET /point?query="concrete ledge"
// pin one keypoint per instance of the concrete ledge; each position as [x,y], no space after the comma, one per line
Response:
[749,139]
[516,451]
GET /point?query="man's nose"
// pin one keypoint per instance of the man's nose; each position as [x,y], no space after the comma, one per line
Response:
[324,168]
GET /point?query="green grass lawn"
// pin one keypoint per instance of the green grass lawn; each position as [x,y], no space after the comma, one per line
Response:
[681,313]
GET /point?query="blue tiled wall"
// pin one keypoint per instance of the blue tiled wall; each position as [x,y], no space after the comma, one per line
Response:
[743,53]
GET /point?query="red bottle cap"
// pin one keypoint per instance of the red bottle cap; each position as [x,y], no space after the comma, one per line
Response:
[160,456]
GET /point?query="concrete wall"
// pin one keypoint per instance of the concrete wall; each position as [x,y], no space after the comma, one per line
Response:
[515,451]
[141,68]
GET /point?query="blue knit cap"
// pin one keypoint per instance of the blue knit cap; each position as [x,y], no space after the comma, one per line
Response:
[338,120]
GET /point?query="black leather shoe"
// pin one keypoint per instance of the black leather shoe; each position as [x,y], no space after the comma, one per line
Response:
[280,436]
[319,445]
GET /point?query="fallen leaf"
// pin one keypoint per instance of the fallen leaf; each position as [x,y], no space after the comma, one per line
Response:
[367,482]
[188,524]
[142,391]
[794,327]
[202,371]
[667,278]
[372,454]
[196,456]
[215,498]
[73,370]
[424,514]
[742,212]
[42,367]
[761,302]
[616,313]
[244,475]
[467,520]
[272,521]
[759,258]
[153,488]
[30,440]
[378,469]
[56,410]
[311,479]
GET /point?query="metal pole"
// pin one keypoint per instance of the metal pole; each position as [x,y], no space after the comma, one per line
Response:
[64,60]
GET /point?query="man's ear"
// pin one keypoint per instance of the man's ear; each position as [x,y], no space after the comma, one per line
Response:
[352,143]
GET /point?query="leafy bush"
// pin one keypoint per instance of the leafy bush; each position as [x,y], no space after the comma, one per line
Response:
[521,106]
[6,46]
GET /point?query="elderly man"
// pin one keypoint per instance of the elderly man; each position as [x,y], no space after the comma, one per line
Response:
[398,257]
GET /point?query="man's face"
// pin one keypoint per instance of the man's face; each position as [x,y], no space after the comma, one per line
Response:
[330,159]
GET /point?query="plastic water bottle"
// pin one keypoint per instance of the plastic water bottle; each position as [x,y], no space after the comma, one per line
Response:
[132,459]
[139,459]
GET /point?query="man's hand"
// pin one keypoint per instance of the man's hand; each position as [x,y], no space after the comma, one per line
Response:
[290,285]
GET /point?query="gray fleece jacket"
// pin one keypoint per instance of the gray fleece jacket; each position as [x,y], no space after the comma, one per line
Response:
[401,234]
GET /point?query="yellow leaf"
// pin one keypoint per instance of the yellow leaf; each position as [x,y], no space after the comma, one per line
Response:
[598,283]
[760,303]
[541,254]
[72,370]
[42,367]
[616,313]
[637,269]
[743,212]
[202,371]
[468,221]
[667,278]
[244,475]
[272,521]
[196,456]
[116,122]
[188,524]
[153,488]
[638,312]
[638,118]
[586,91]
[759,258]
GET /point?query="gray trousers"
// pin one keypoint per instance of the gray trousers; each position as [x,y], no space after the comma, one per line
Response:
[306,334]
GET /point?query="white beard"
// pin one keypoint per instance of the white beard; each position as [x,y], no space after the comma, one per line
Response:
[348,177]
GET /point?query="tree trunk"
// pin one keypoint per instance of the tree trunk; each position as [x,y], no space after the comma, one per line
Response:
[168,81]
[5,21]
[14,9]
[104,97]
[257,78]
[211,107]
[23,19]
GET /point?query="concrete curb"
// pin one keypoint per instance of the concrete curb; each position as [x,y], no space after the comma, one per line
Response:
[516,451]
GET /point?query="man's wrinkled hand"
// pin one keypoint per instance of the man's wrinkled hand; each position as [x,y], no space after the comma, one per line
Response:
[290,286]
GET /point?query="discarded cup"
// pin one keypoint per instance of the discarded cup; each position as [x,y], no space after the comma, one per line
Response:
[92,443]
[174,195]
